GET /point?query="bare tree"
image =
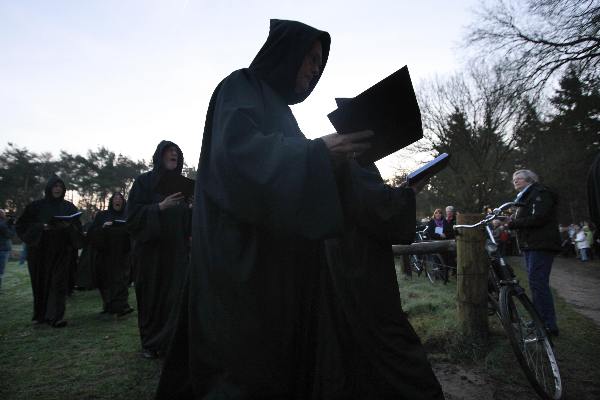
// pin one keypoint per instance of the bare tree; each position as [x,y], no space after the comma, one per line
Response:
[470,116]
[536,39]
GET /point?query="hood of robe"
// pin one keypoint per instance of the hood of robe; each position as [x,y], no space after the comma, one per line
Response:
[280,58]
[53,180]
[110,203]
[157,164]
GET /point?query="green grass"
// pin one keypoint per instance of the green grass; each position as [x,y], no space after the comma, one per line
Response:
[432,312]
[95,357]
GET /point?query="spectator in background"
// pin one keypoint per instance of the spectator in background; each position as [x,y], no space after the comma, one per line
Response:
[7,231]
[451,218]
[582,244]
[438,228]
[536,225]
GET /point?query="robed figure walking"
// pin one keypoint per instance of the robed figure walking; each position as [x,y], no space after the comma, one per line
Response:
[265,199]
[51,245]
[160,230]
[109,236]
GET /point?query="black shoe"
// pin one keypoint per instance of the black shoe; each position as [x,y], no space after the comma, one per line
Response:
[124,312]
[149,354]
[553,332]
[61,323]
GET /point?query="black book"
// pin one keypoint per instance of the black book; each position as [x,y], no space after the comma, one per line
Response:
[389,109]
[175,183]
[119,222]
[428,170]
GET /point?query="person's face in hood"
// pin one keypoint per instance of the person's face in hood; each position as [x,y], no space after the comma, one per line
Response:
[310,68]
[117,202]
[170,157]
[57,190]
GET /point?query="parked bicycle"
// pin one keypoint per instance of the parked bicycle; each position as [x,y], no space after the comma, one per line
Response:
[525,330]
[431,264]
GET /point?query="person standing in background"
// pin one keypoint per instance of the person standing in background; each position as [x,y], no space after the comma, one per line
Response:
[7,231]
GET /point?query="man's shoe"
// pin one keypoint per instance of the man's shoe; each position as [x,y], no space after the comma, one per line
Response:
[124,312]
[149,354]
[61,323]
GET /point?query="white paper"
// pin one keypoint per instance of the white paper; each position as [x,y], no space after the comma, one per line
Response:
[439,230]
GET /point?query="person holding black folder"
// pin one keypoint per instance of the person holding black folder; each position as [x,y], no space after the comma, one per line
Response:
[111,239]
[159,225]
[52,231]
[265,198]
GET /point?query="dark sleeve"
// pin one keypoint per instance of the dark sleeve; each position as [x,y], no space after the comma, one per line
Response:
[75,229]
[277,180]
[448,230]
[542,211]
[29,229]
[383,211]
[95,235]
[143,214]
[593,191]
[7,231]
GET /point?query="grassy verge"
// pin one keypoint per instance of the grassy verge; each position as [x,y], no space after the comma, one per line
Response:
[432,311]
[95,357]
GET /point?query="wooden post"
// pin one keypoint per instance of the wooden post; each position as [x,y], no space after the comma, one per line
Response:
[472,276]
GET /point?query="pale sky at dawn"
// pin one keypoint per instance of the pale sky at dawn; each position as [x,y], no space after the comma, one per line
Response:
[125,74]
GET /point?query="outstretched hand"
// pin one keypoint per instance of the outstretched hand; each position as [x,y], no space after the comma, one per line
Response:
[171,201]
[347,145]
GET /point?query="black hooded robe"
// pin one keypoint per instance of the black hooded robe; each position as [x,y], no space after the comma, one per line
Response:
[368,349]
[49,252]
[112,267]
[265,198]
[160,252]
[86,266]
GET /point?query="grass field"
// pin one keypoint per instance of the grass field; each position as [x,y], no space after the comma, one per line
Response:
[97,357]
[432,311]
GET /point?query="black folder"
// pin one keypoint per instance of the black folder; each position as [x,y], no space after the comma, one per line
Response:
[428,170]
[389,109]
[174,183]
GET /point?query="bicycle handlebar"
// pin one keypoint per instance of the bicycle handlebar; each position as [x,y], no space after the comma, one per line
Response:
[491,216]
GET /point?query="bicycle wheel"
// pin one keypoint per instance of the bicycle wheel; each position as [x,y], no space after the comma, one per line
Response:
[493,294]
[434,267]
[530,342]
[416,264]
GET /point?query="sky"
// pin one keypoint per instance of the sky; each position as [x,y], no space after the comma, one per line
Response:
[125,74]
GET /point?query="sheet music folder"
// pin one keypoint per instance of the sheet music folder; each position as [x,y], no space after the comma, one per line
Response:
[428,170]
[389,109]
[173,183]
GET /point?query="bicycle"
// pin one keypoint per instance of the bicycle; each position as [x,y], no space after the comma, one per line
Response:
[432,264]
[525,330]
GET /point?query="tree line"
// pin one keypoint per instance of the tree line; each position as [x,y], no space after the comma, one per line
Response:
[90,179]
[528,99]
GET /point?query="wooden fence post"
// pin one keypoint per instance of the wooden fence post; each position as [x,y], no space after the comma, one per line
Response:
[472,276]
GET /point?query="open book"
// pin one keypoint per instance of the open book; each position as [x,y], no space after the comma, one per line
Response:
[66,218]
[389,108]
[428,170]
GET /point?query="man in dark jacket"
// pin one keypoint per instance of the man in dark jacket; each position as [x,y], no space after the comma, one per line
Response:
[539,240]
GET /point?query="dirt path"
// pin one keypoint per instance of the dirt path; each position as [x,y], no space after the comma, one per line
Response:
[578,283]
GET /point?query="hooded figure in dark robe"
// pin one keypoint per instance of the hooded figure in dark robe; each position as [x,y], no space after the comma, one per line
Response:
[367,348]
[265,198]
[50,248]
[86,266]
[160,229]
[109,236]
